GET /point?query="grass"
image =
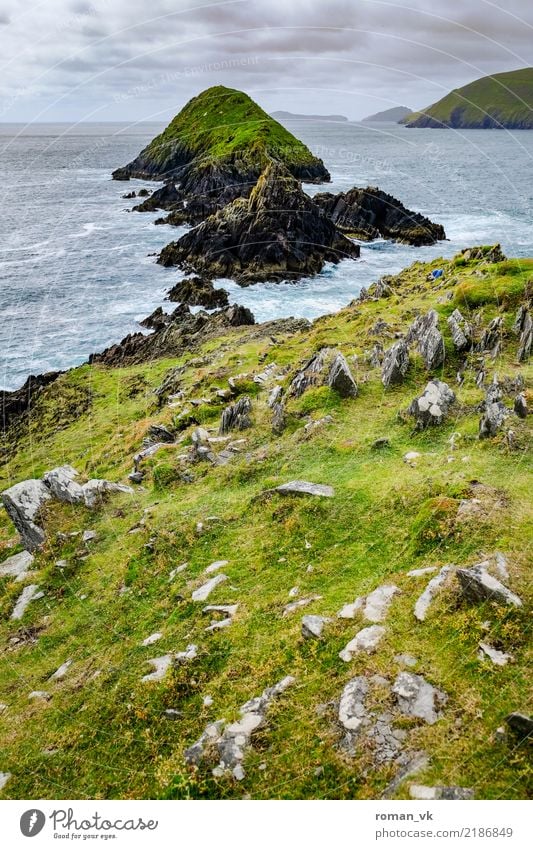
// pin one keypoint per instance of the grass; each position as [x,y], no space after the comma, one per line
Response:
[104,733]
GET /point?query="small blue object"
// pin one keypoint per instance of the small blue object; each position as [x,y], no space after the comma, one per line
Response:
[436,273]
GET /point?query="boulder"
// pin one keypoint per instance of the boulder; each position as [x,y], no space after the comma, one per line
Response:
[376,605]
[525,326]
[425,332]
[341,379]
[352,711]
[24,502]
[491,337]
[395,364]
[95,491]
[366,640]
[477,585]
[311,374]
[305,488]
[520,406]
[432,407]
[520,724]
[461,331]
[236,416]
[312,626]
[17,566]
[198,292]
[63,486]
[417,697]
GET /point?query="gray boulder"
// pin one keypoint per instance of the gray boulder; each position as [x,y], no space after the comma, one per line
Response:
[423,602]
[63,486]
[352,711]
[417,697]
[425,332]
[279,419]
[341,379]
[432,407]
[520,406]
[312,626]
[96,490]
[305,488]
[395,364]
[491,337]
[17,566]
[478,585]
[461,331]
[236,416]
[24,502]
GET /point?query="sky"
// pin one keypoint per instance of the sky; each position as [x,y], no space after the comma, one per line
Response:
[141,60]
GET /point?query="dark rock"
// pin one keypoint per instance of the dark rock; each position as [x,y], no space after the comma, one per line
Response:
[279,418]
[277,233]
[370,213]
[129,195]
[156,320]
[20,401]
[524,327]
[520,406]
[238,316]
[381,289]
[380,443]
[375,358]
[489,253]
[24,502]
[495,411]
[477,585]
[432,407]
[341,379]
[144,193]
[424,331]
[395,364]
[198,292]
[236,416]
[520,724]
[312,373]
[461,331]
[159,433]
[491,337]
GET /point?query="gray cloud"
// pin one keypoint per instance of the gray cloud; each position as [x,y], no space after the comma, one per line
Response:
[132,60]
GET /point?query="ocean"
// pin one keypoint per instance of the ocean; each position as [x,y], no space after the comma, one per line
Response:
[78,268]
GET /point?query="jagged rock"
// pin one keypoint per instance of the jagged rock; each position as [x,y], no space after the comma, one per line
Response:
[487,253]
[219,625]
[498,658]
[157,320]
[312,626]
[352,711]
[279,419]
[425,332]
[424,601]
[17,566]
[341,379]
[274,396]
[416,697]
[421,791]
[495,411]
[520,406]
[215,566]
[416,763]
[203,592]
[95,490]
[381,289]
[370,213]
[491,337]
[395,364]
[478,585]
[305,488]
[39,695]
[61,671]
[63,486]
[17,403]
[236,416]
[278,232]
[316,424]
[158,433]
[88,536]
[311,374]
[227,609]
[523,327]
[24,502]
[198,292]
[375,357]
[461,331]
[28,594]
[520,724]
[432,407]
[189,654]
[366,640]
[211,735]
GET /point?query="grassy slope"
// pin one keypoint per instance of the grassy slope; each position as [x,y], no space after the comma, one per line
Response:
[222,123]
[507,98]
[105,736]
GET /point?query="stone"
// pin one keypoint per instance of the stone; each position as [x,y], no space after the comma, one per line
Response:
[236,416]
[4,778]
[17,566]
[417,697]
[366,640]
[411,457]
[39,695]
[28,594]
[349,611]
[203,592]
[424,601]
[161,666]
[377,603]
[416,763]
[421,791]
[432,407]
[214,567]
[189,654]
[311,374]
[63,486]
[478,585]
[520,724]
[95,491]
[211,735]
[198,292]
[341,379]
[491,336]
[62,671]
[415,573]
[395,364]
[88,536]
[500,564]
[153,638]
[352,712]
[524,326]
[23,503]
[405,660]
[382,442]
[274,396]
[461,331]
[431,348]
[498,658]
[227,609]
[172,713]
[312,626]
[305,488]
[520,406]
[177,571]
[219,625]
[301,602]
[279,419]
[207,701]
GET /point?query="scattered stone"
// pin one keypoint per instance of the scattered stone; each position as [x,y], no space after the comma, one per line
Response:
[227,609]
[411,457]
[395,364]
[417,763]
[17,566]
[377,603]
[305,488]
[432,407]
[207,701]
[477,585]
[415,573]
[495,411]
[500,563]
[219,624]
[214,567]
[499,658]
[88,536]
[311,374]
[203,592]
[236,416]
[301,602]
[211,735]
[279,419]
[461,331]
[405,660]
[430,341]
[39,695]
[24,502]
[341,379]
[176,571]
[63,486]
[28,594]
[312,626]
[62,671]
[520,406]
[315,424]
[524,326]
[520,724]
[189,654]
[366,640]
[423,602]
[153,638]
[4,778]
[274,396]
[416,697]
[349,611]
[161,666]
[172,713]
[421,791]
[382,442]
[95,491]
[294,591]
[491,337]
[352,711]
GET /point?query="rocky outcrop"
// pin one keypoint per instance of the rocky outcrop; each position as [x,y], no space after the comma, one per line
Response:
[494,411]
[236,416]
[24,502]
[311,374]
[432,407]
[341,379]
[277,233]
[461,331]
[16,403]
[418,698]
[395,364]
[371,213]
[198,292]
[478,585]
[425,333]
[523,327]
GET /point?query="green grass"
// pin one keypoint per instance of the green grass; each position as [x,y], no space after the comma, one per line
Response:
[500,100]
[104,734]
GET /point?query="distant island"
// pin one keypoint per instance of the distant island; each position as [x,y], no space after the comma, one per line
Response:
[395,114]
[497,102]
[280,115]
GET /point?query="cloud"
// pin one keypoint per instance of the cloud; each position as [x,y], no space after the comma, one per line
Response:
[129,60]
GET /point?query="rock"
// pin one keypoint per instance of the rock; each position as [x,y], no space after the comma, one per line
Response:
[349,611]
[498,658]
[375,357]
[376,605]
[211,735]
[432,407]
[63,486]
[352,711]
[416,697]
[214,567]
[312,626]
[153,638]
[17,566]
[4,778]
[28,594]
[366,640]
[411,457]
[172,713]
[382,442]
[520,724]
[177,571]
[198,292]
[520,406]
[524,326]
[158,433]
[95,491]
[491,337]
[302,602]
[227,609]
[236,416]
[477,586]
[423,602]
[161,666]
[415,573]
[461,331]
[341,379]
[219,625]
[421,791]
[370,213]
[88,536]
[311,374]
[425,332]
[279,419]
[203,592]
[207,701]
[405,660]
[416,763]
[39,695]
[305,488]
[189,654]
[24,502]
[62,671]
[274,396]
[395,364]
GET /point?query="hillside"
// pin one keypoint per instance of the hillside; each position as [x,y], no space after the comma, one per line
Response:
[500,101]
[396,114]
[155,618]
[222,126]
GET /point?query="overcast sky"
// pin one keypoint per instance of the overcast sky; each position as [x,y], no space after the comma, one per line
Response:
[133,60]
